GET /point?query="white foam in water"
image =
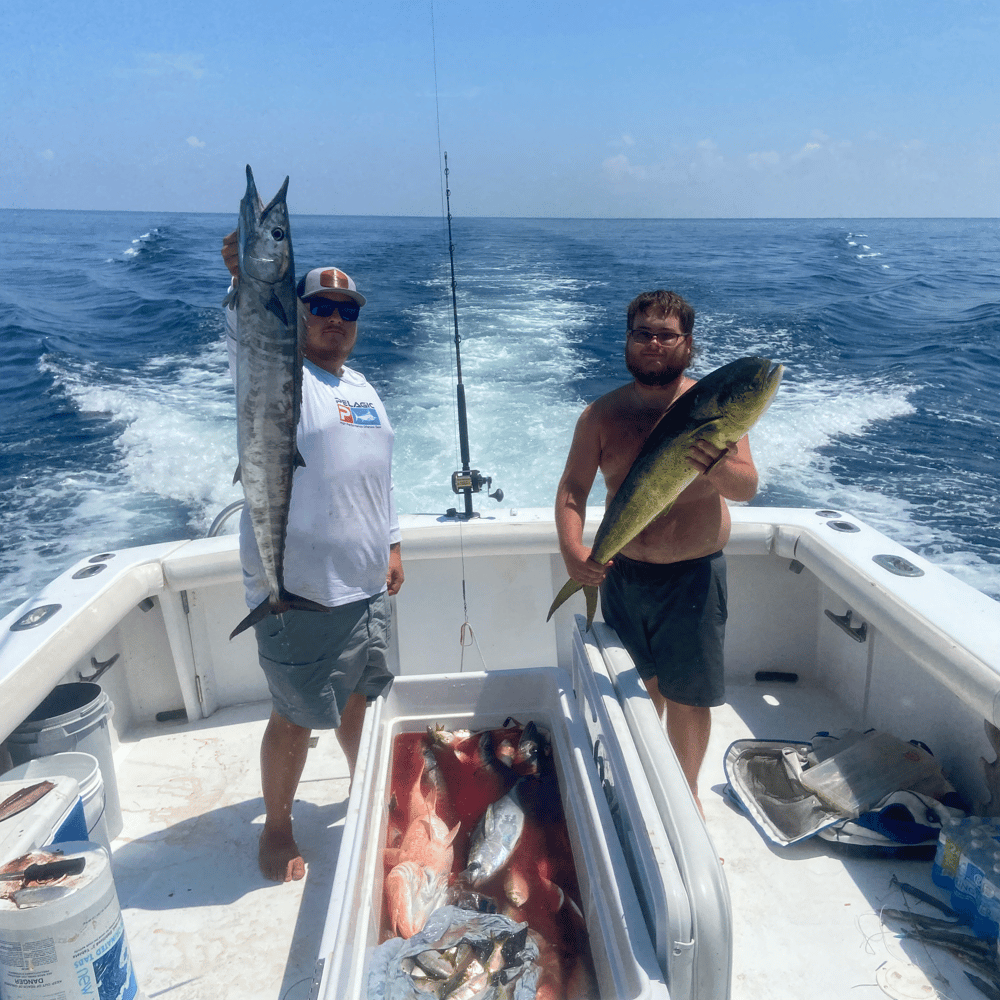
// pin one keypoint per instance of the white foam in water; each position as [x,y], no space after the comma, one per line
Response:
[798,442]
[136,248]
[177,446]
[805,417]
[179,441]
[176,438]
[517,365]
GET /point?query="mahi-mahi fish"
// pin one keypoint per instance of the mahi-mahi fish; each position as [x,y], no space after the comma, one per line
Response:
[719,408]
[268,387]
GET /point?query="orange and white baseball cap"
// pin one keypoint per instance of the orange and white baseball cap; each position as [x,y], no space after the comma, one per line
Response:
[329,279]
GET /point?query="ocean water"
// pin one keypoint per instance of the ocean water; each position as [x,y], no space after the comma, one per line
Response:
[118,428]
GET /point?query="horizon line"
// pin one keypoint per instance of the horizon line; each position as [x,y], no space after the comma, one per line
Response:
[546,218]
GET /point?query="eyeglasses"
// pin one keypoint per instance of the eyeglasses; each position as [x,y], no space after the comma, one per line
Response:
[349,311]
[666,338]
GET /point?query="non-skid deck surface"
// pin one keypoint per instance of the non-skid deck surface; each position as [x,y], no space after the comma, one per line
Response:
[806,917]
[200,918]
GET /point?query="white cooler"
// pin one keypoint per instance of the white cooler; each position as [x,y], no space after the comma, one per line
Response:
[621,948]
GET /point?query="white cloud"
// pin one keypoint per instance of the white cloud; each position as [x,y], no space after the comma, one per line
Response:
[193,140]
[820,142]
[171,64]
[618,168]
[708,155]
[809,150]
[46,154]
[760,161]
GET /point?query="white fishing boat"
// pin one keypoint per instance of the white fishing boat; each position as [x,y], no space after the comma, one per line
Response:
[832,626]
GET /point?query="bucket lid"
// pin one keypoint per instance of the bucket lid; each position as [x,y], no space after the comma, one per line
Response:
[15,897]
[85,767]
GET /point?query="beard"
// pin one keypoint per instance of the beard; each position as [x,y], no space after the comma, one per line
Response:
[656,377]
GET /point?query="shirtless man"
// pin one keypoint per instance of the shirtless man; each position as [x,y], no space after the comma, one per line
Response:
[665,592]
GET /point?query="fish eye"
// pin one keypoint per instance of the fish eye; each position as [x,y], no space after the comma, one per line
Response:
[277,234]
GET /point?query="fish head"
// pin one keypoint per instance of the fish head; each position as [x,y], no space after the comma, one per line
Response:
[450,738]
[264,238]
[735,396]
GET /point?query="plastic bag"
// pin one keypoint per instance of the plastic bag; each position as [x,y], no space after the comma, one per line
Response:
[456,946]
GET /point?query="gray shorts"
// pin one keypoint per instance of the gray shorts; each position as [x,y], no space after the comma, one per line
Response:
[314,661]
[671,617]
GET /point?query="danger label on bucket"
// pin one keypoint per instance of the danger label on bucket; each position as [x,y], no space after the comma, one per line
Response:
[102,970]
[67,940]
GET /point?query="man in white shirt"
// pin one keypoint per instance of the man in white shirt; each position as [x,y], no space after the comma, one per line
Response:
[342,550]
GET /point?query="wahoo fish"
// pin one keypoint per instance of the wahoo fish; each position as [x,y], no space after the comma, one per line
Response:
[719,408]
[268,387]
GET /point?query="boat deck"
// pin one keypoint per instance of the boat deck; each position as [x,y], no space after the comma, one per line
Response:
[202,921]
[807,915]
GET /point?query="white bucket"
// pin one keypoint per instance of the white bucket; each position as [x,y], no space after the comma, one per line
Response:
[66,938]
[73,717]
[85,768]
[58,815]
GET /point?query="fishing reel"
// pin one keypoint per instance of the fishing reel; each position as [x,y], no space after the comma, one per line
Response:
[468,482]
[474,480]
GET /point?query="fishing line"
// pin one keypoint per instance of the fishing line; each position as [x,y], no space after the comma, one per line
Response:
[445,215]
[467,634]
[437,104]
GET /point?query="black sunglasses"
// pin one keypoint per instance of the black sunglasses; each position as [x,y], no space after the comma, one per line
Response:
[349,311]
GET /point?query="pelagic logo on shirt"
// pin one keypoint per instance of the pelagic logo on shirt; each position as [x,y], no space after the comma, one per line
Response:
[360,414]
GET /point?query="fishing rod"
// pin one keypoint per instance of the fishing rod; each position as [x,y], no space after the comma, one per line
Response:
[468,480]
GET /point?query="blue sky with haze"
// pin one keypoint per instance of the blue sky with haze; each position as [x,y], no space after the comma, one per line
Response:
[640,108]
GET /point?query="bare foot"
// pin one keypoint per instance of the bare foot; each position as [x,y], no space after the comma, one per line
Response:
[279,858]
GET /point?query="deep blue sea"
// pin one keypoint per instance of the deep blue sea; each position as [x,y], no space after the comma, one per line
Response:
[117,407]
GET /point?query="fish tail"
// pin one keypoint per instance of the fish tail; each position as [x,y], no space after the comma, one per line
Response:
[591,594]
[258,614]
[287,602]
[569,589]
[298,603]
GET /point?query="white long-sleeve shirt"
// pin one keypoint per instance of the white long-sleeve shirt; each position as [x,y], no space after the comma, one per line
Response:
[342,516]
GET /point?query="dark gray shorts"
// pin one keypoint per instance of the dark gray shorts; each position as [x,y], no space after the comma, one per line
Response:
[314,661]
[671,618]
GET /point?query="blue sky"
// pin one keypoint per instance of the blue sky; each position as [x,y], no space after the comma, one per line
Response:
[637,108]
